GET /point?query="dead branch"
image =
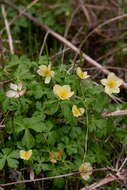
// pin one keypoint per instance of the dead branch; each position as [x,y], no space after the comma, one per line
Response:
[118,177]
[54,177]
[85,11]
[10,40]
[105,23]
[115,113]
[38,179]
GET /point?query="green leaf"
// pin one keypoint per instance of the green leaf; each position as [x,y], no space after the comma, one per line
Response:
[46,167]
[51,107]
[14,154]
[19,125]
[66,110]
[2,163]
[34,123]
[76,132]
[52,137]
[12,163]
[71,149]
[28,139]
[6,151]
[44,60]
[9,126]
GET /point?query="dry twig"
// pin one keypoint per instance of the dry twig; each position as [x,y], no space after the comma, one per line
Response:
[43,44]
[10,40]
[115,113]
[104,181]
[85,11]
[53,177]
[105,23]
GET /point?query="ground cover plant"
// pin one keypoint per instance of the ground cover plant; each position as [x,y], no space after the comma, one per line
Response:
[56,114]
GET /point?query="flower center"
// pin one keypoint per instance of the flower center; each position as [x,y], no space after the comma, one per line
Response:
[111,83]
[77,111]
[26,155]
[47,72]
[63,94]
[81,75]
[18,91]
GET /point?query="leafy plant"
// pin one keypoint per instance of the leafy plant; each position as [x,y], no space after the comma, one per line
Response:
[43,121]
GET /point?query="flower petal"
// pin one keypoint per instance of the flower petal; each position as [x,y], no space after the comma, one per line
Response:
[22,152]
[82,110]
[86,75]
[112,76]
[20,86]
[42,67]
[71,94]
[39,72]
[74,107]
[108,90]
[56,89]
[49,66]
[104,81]
[116,90]
[12,94]
[66,87]
[119,82]
[52,73]
[13,86]
[78,70]
[47,80]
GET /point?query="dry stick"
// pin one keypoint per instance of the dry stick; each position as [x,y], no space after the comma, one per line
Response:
[67,30]
[100,7]
[121,176]
[115,113]
[122,165]
[67,49]
[60,38]
[104,181]
[85,12]
[111,52]
[54,177]
[20,13]
[38,179]
[43,44]
[101,25]
[10,40]
[105,23]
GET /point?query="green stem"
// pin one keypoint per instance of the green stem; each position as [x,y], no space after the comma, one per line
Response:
[87,124]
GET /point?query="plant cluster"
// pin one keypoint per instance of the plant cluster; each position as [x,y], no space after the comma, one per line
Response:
[53,118]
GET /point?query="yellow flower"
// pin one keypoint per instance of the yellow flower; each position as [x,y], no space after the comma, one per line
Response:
[16,92]
[77,111]
[86,170]
[112,84]
[25,155]
[46,72]
[63,92]
[81,74]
